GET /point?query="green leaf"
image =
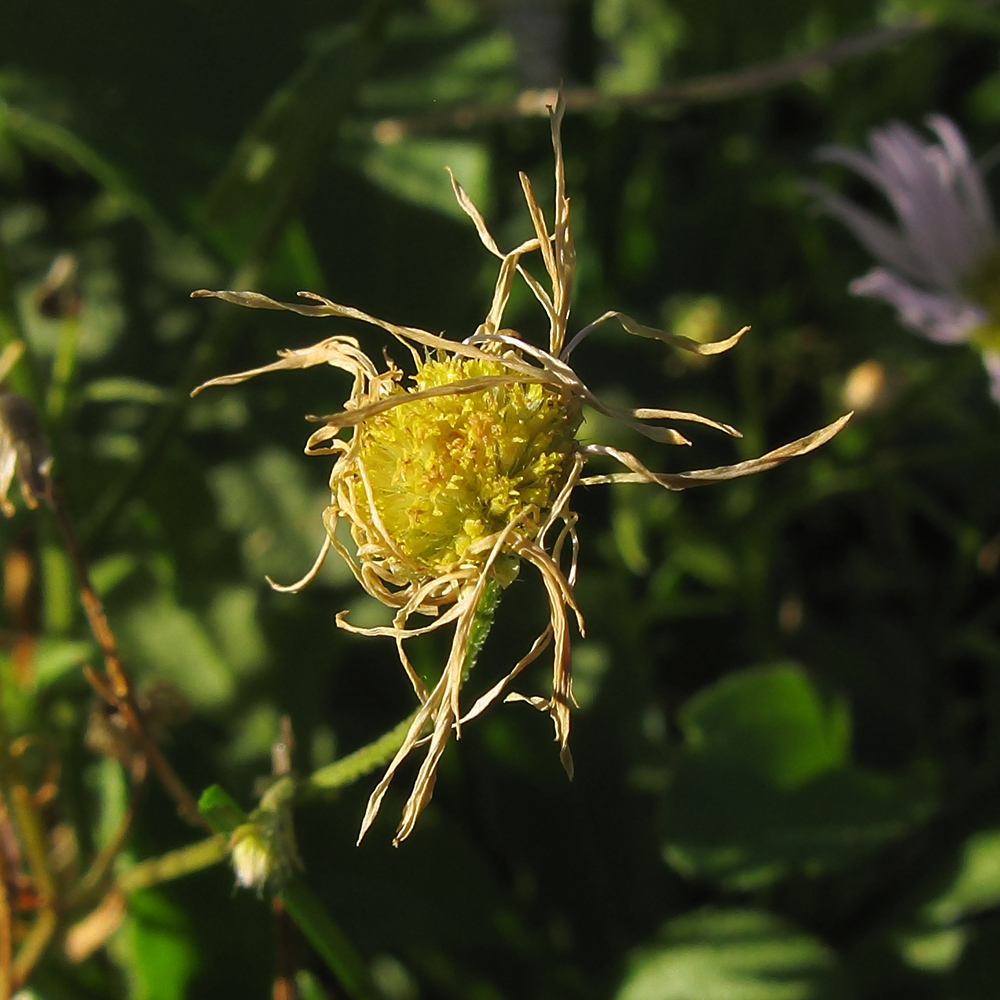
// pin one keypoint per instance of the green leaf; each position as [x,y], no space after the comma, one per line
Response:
[732,955]
[765,787]
[155,949]
[976,884]
[413,170]
[729,825]
[172,642]
[771,721]
[277,158]
[220,809]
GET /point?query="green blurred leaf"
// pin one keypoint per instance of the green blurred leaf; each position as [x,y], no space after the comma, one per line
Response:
[309,986]
[732,955]
[53,658]
[220,809]
[155,949]
[975,976]
[271,503]
[277,159]
[234,619]
[642,34]
[976,885]
[769,721]
[119,389]
[413,169]
[764,786]
[59,144]
[253,735]
[170,641]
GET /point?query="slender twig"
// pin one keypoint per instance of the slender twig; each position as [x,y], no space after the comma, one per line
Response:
[6,927]
[696,90]
[116,687]
[284,931]
[99,873]
[33,842]
[283,987]
[33,946]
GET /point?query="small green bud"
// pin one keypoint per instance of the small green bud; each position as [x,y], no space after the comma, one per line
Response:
[252,852]
[263,849]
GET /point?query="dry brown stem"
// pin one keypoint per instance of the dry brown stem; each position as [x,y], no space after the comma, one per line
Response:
[697,90]
[116,686]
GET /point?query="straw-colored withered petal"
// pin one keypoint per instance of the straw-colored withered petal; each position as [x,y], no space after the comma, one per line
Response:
[451,477]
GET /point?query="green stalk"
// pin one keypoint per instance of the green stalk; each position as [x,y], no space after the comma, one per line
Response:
[355,765]
[63,367]
[330,942]
[175,864]
[348,769]
[482,623]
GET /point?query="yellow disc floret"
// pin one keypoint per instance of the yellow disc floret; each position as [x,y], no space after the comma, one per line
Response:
[444,471]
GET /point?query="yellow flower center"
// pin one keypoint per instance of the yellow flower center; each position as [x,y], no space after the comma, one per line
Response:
[447,470]
[983,287]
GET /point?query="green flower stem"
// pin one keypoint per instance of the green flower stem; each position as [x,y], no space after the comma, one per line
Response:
[330,942]
[175,864]
[348,769]
[355,765]
[300,903]
[482,623]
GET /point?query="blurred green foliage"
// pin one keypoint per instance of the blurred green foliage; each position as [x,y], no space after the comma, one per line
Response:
[788,742]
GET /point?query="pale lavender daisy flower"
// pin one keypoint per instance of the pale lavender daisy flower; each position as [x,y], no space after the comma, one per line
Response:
[936,268]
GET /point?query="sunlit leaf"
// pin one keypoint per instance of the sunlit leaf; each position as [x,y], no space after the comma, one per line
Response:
[732,955]
[413,169]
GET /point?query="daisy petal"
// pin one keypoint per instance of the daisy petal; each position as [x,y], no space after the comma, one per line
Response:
[944,319]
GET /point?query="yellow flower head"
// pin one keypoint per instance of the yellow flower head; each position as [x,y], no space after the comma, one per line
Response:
[447,471]
[453,477]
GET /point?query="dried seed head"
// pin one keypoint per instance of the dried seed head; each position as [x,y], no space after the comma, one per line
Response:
[451,482]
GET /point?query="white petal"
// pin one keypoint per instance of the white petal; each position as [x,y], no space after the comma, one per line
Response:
[881,241]
[945,319]
[937,195]
[921,189]
[968,179]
